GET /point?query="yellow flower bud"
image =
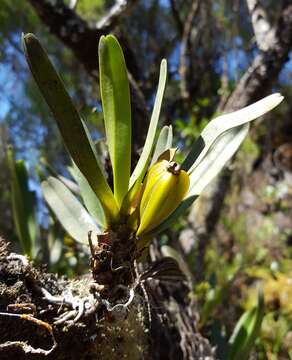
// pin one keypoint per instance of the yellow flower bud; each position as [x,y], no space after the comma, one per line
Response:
[165,187]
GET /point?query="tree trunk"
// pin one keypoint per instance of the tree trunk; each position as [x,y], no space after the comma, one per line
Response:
[160,322]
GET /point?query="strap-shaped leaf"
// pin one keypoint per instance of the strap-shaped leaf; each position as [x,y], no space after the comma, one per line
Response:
[115,96]
[219,153]
[224,123]
[69,122]
[71,214]
[88,196]
[71,185]
[23,205]
[246,332]
[144,159]
[163,143]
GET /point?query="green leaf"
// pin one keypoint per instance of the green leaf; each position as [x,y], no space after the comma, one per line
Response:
[88,196]
[246,332]
[71,214]
[214,160]
[224,123]
[71,185]
[144,159]
[69,122]
[115,96]
[23,205]
[163,143]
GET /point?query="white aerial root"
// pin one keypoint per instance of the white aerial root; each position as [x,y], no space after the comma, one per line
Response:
[82,307]
[23,259]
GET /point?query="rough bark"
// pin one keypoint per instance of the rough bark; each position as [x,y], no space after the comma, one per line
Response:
[30,304]
[263,72]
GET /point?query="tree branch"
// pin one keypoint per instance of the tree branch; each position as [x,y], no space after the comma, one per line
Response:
[176,16]
[263,30]
[120,9]
[184,48]
[263,72]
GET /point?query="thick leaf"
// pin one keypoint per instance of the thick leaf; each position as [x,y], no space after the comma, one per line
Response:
[71,214]
[224,123]
[115,96]
[23,205]
[69,122]
[71,185]
[246,332]
[88,196]
[220,152]
[163,143]
[144,159]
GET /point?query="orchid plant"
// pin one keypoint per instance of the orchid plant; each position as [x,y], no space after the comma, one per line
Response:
[115,216]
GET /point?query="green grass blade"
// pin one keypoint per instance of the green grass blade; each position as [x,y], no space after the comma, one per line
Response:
[224,123]
[144,159]
[88,196]
[115,96]
[23,205]
[246,332]
[163,143]
[71,214]
[69,122]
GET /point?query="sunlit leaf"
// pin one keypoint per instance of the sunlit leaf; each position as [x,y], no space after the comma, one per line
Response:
[69,122]
[163,143]
[71,214]
[115,95]
[71,185]
[144,159]
[88,196]
[221,151]
[224,123]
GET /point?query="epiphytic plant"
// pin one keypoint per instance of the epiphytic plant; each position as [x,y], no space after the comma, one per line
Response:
[143,203]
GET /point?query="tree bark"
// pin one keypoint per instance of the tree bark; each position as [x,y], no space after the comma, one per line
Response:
[34,304]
